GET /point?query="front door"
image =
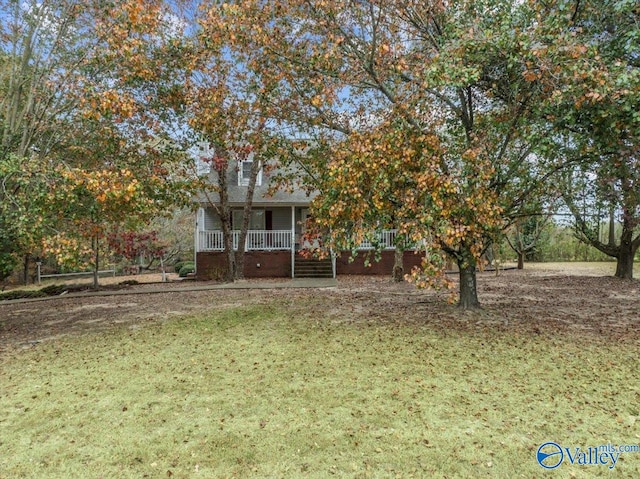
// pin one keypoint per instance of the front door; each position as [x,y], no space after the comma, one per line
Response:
[268,225]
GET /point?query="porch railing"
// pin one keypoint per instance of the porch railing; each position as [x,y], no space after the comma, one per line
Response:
[385,239]
[265,240]
[274,240]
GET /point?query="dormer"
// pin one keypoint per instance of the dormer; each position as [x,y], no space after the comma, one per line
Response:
[244,171]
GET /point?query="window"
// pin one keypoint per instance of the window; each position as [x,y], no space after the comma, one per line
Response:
[244,173]
[203,153]
[256,221]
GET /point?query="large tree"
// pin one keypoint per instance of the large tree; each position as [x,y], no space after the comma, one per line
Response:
[593,71]
[451,71]
[230,109]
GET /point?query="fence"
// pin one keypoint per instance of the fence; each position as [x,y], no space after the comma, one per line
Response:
[41,276]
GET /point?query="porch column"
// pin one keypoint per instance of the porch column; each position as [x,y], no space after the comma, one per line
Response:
[198,227]
[293,241]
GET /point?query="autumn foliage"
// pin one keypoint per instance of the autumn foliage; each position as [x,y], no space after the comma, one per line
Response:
[132,245]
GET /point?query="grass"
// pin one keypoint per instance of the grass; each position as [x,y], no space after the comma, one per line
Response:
[265,392]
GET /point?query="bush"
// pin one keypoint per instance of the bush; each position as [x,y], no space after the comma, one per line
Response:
[21,294]
[51,290]
[187,268]
[54,289]
[178,266]
[7,264]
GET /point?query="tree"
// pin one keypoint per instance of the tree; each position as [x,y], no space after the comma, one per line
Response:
[89,89]
[524,235]
[222,166]
[176,232]
[137,246]
[615,191]
[92,205]
[454,71]
[593,69]
[40,63]
[24,190]
[229,106]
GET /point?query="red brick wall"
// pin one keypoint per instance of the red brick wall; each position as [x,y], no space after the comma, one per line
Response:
[277,264]
[273,264]
[382,267]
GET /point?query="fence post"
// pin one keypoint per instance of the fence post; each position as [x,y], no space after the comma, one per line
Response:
[38,264]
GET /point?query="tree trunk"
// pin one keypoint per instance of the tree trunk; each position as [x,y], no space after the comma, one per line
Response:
[25,271]
[246,217]
[96,265]
[227,236]
[627,248]
[612,227]
[239,272]
[398,265]
[520,259]
[468,284]
[624,266]
[224,211]
[231,257]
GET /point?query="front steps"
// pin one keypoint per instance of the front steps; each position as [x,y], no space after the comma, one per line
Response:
[312,268]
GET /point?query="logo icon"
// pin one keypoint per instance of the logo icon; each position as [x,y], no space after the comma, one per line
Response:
[550,455]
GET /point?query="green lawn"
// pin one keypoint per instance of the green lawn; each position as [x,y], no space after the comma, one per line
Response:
[263,392]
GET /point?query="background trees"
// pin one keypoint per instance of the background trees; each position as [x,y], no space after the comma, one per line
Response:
[88,92]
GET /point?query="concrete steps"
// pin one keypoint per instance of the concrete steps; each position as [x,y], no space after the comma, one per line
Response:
[312,268]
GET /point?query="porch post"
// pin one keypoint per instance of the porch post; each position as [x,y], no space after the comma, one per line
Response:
[293,241]
[196,240]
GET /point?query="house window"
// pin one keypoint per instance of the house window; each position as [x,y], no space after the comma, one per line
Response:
[202,167]
[256,220]
[244,173]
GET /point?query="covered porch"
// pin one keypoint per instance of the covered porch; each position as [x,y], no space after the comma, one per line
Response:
[270,229]
[274,242]
[277,240]
[275,228]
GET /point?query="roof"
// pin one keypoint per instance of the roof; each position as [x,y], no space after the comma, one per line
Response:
[295,196]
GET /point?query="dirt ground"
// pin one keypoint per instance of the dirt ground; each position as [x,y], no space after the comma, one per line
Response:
[579,300]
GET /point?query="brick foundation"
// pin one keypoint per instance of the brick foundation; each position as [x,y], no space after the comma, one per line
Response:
[277,264]
[257,264]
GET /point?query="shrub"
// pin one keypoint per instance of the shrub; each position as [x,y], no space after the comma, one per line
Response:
[21,294]
[178,265]
[187,268]
[54,289]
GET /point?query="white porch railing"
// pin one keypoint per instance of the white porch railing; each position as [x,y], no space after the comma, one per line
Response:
[274,240]
[265,240]
[386,239]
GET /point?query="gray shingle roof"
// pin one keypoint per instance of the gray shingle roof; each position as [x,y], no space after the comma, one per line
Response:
[298,196]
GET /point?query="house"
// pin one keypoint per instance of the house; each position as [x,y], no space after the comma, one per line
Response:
[273,242]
